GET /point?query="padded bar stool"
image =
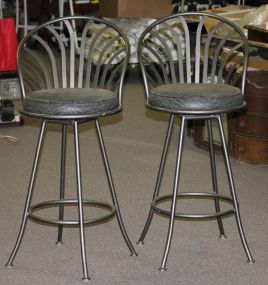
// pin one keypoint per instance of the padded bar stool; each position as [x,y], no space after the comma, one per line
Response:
[194,67]
[68,86]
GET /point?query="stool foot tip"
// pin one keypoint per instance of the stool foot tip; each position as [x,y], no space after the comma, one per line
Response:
[223,236]
[140,243]
[85,279]
[162,269]
[9,265]
[250,261]
[59,242]
[133,254]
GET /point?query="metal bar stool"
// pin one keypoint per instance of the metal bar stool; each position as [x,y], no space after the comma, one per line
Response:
[68,86]
[194,67]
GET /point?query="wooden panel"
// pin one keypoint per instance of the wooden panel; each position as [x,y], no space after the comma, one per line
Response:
[250,149]
[257,33]
[253,125]
[135,9]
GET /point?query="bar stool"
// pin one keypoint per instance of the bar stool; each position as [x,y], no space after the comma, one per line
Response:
[194,67]
[67,86]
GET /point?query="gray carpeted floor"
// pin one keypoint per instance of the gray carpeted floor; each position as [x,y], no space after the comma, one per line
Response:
[134,141]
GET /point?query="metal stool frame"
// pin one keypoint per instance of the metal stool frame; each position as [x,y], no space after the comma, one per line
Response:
[113,73]
[159,68]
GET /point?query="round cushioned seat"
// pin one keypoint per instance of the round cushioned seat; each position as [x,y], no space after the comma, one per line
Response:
[71,102]
[200,97]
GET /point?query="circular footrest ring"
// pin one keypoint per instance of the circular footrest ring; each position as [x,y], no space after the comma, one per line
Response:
[192,195]
[70,202]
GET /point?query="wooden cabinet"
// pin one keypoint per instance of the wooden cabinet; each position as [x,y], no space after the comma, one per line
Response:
[248,131]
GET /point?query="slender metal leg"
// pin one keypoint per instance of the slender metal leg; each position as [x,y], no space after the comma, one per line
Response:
[80,203]
[62,181]
[158,180]
[233,193]
[112,189]
[174,198]
[214,176]
[29,196]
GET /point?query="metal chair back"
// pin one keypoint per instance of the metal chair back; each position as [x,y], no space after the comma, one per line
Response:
[193,47]
[95,55]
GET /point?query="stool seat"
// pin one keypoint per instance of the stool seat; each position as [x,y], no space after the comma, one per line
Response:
[196,97]
[71,101]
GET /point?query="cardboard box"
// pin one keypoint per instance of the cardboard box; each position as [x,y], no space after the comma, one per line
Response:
[135,9]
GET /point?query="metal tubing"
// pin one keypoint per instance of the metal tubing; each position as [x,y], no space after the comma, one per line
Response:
[51,203]
[214,176]
[233,193]
[80,202]
[158,180]
[185,195]
[112,189]
[62,182]
[29,196]
[174,199]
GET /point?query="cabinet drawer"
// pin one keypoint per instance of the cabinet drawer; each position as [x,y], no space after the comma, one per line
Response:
[250,149]
[256,92]
[253,125]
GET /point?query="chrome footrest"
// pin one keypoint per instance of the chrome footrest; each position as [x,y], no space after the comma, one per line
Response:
[70,202]
[193,195]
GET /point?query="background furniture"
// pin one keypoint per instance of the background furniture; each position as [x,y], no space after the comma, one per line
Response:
[30,13]
[60,88]
[247,138]
[201,83]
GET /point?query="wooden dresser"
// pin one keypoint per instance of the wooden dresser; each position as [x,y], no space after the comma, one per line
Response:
[248,131]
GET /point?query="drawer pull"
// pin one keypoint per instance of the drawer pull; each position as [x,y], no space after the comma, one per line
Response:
[242,124]
[241,148]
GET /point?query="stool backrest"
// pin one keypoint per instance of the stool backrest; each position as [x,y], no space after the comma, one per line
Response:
[194,47]
[73,52]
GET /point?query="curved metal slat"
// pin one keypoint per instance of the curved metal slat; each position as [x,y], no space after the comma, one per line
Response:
[34,78]
[109,65]
[235,66]
[210,36]
[71,32]
[197,49]
[42,65]
[159,61]
[226,59]
[52,60]
[187,49]
[63,54]
[179,48]
[166,50]
[112,77]
[216,55]
[91,49]
[82,54]
[102,58]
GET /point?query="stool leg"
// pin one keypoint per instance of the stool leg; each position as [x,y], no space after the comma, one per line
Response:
[80,202]
[214,176]
[174,198]
[158,180]
[29,196]
[62,182]
[112,189]
[233,193]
